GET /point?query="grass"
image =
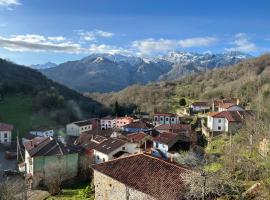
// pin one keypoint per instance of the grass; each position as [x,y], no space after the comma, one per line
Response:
[72,193]
[17,110]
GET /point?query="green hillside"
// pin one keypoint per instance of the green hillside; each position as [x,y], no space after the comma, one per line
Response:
[249,81]
[30,100]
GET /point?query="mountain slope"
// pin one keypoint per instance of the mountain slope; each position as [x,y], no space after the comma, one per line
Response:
[106,73]
[42,101]
[44,66]
[248,80]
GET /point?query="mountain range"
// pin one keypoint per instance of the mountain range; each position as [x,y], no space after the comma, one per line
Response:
[107,73]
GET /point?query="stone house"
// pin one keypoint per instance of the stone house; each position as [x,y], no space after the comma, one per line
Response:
[138,177]
[200,106]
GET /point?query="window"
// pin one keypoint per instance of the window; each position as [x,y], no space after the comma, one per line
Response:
[156,145]
[123,148]
[5,135]
[98,157]
[219,128]
[5,141]
[219,121]
[172,119]
[167,118]
[156,118]
[103,159]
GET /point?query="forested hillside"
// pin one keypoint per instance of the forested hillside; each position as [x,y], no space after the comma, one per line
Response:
[248,80]
[29,100]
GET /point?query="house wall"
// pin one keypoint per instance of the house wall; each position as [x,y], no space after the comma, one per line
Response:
[73,130]
[48,133]
[28,163]
[45,166]
[123,121]
[107,188]
[160,146]
[105,123]
[162,119]
[128,147]
[3,139]
[216,124]
[233,108]
[200,108]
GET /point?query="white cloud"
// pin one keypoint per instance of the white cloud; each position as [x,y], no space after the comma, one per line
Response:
[242,43]
[197,42]
[93,35]
[152,46]
[36,43]
[39,43]
[9,3]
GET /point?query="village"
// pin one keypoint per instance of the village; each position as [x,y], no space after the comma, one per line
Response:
[121,156]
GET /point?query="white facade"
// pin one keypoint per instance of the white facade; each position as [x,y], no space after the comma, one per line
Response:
[162,147]
[217,124]
[5,137]
[75,130]
[128,147]
[45,133]
[107,123]
[232,108]
[29,163]
[165,119]
[199,108]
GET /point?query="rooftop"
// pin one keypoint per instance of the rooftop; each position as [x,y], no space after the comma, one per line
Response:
[200,103]
[153,176]
[139,124]
[231,116]
[175,128]
[137,137]
[166,138]
[47,146]
[83,123]
[5,127]
[109,145]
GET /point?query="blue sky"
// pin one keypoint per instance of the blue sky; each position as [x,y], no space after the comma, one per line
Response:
[37,31]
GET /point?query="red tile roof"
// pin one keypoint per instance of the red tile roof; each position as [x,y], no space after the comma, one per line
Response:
[139,124]
[226,105]
[109,145]
[153,176]
[231,116]
[201,103]
[175,128]
[166,138]
[137,137]
[5,127]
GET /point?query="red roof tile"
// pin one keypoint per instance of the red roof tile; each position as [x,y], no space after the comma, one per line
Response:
[175,128]
[166,138]
[137,137]
[231,116]
[5,127]
[153,176]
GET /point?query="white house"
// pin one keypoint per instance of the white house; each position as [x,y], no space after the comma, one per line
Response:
[107,122]
[202,106]
[5,133]
[164,141]
[76,128]
[226,121]
[229,107]
[165,118]
[42,132]
[108,149]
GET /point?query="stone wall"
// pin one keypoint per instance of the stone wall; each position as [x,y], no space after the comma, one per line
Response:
[107,188]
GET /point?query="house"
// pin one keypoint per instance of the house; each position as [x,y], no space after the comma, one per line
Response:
[229,107]
[139,177]
[226,121]
[165,118]
[216,103]
[95,123]
[137,126]
[122,121]
[107,122]
[165,141]
[110,148]
[42,132]
[76,128]
[200,106]
[143,140]
[184,129]
[5,133]
[45,157]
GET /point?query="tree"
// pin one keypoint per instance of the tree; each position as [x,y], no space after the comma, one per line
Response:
[182,102]
[116,109]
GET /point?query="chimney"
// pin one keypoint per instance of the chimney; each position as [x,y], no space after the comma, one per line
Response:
[171,157]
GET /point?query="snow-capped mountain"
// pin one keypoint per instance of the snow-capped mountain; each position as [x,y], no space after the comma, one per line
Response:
[44,66]
[106,72]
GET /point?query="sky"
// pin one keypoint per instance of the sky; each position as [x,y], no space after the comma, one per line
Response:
[38,31]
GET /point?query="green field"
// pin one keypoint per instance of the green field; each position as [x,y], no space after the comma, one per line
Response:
[17,110]
[74,193]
